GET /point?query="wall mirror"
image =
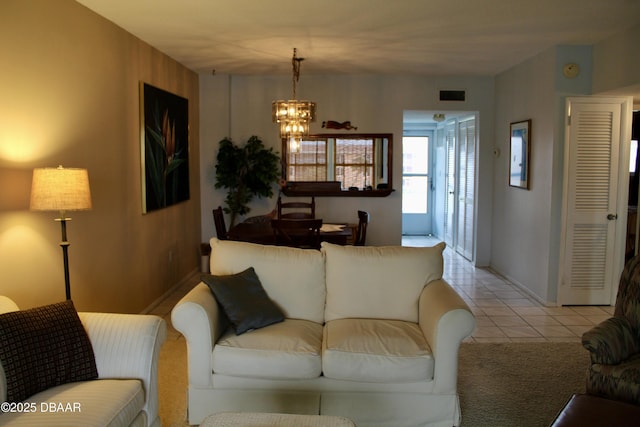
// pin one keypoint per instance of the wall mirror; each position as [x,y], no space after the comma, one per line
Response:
[352,165]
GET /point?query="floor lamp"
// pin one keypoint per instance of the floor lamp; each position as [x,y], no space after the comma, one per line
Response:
[61,189]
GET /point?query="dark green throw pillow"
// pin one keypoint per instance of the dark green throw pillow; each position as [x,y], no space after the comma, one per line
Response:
[244,300]
[44,347]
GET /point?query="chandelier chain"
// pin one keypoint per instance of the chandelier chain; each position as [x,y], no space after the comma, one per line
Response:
[295,61]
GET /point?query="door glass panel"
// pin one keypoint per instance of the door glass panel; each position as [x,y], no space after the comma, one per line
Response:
[414,196]
[415,153]
[415,178]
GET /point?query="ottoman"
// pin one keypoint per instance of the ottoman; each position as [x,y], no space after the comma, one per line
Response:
[254,419]
[586,410]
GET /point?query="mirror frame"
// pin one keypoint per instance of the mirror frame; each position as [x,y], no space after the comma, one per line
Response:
[328,188]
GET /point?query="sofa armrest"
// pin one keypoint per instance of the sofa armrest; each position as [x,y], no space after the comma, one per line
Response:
[199,319]
[611,341]
[128,346]
[445,320]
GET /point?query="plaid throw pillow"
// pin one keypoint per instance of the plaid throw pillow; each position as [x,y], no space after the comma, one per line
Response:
[44,347]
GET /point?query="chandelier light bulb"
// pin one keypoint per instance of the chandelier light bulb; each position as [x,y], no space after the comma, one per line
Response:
[293,115]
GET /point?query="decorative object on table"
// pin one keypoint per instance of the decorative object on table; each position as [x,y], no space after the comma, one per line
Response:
[519,154]
[165,148]
[294,116]
[61,189]
[332,124]
[248,171]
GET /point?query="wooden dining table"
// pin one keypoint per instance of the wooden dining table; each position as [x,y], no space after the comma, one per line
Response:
[261,232]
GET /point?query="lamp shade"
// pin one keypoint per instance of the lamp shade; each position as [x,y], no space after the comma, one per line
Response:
[60,189]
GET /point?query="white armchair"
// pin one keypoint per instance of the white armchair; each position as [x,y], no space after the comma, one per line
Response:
[126,349]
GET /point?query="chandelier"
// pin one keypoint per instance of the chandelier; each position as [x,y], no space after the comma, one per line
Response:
[294,116]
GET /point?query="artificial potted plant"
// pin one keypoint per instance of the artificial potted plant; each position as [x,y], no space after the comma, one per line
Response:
[245,172]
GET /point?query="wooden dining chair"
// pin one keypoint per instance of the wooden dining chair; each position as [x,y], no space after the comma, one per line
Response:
[361,231]
[297,233]
[303,210]
[218,220]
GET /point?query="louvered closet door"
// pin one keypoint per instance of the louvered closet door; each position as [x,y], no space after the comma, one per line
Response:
[466,187]
[591,185]
[450,185]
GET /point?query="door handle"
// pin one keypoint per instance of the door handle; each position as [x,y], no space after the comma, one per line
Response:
[612,217]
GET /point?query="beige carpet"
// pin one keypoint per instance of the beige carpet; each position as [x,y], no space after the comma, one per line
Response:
[518,384]
[172,381]
[510,385]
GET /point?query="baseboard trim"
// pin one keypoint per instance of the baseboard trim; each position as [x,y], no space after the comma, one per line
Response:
[193,275]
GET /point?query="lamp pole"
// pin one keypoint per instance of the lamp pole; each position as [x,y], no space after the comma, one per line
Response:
[64,244]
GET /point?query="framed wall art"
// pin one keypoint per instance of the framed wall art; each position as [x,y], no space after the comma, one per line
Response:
[164,129]
[520,154]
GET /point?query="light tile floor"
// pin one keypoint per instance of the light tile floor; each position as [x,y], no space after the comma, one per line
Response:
[503,312]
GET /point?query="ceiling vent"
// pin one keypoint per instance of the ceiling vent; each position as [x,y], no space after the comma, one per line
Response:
[453,95]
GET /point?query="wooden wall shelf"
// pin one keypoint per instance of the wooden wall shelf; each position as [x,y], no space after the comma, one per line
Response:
[339,193]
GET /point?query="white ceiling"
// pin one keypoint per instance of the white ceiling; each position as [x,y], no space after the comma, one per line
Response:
[426,37]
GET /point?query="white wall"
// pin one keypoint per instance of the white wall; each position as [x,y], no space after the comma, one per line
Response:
[521,218]
[374,104]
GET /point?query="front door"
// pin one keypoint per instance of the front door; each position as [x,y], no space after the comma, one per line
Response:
[416,185]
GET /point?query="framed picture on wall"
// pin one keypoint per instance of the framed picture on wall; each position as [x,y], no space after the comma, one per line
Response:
[520,154]
[164,123]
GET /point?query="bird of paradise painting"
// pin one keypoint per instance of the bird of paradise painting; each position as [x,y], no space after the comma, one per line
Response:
[165,148]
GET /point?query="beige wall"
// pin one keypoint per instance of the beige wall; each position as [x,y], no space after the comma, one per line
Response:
[70,95]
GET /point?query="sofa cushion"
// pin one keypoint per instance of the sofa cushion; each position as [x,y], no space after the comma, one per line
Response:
[44,347]
[293,278]
[290,349]
[108,403]
[243,300]
[374,350]
[378,282]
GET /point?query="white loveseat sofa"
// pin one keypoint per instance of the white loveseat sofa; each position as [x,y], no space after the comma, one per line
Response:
[371,334]
[126,348]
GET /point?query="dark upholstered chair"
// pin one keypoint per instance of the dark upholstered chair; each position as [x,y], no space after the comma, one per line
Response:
[297,210]
[218,220]
[614,344]
[361,231]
